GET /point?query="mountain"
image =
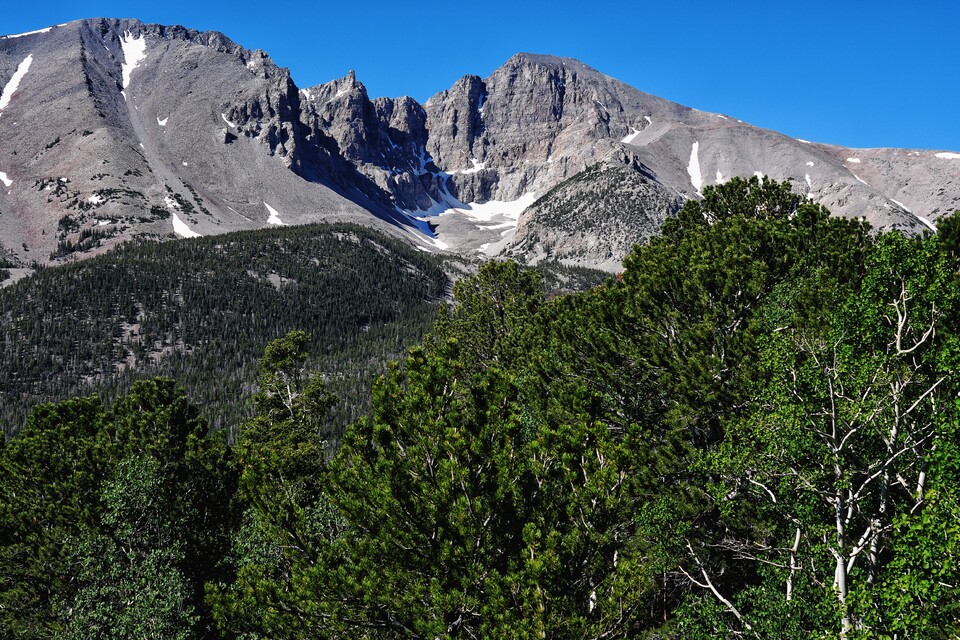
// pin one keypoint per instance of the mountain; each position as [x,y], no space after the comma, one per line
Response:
[114,129]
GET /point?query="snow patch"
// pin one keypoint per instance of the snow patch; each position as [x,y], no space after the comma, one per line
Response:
[810,164]
[947,155]
[503,214]
[181,229]
[854,160]
[693,168]
[630,137]
[925,221]
[759,175]
[224,116]
[28,33]
[719,177]
[424,159]
[803,141]
[185,163]
[163,122]
[721,117]
[476,166]
[647,118]
[274,216]
[134,51]
[96,199]
[14,81]
[809,182]
[7,182]
[860,179]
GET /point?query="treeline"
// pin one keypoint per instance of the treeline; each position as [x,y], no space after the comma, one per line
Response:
[753,432]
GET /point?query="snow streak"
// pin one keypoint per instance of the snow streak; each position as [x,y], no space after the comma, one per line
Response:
[14,82]
[693,168]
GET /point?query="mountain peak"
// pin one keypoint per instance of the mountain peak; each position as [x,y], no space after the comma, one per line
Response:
[546,61]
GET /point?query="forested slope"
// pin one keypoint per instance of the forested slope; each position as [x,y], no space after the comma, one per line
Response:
[203,310]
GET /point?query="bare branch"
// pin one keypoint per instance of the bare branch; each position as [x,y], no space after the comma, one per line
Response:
[708,584]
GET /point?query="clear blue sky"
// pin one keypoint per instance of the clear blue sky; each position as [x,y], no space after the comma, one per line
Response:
[852,72]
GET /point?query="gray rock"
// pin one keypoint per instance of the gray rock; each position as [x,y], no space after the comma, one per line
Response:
[92,163]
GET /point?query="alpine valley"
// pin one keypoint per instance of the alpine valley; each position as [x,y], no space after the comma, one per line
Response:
[114,129]
[333,417]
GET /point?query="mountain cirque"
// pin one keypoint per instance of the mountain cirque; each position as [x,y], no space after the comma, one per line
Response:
[112,129]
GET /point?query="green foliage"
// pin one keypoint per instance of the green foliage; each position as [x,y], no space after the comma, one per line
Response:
[831,453]
[653,457]
[49,477]
[282,454]
[477,483]
[202,312]
[753,432]
[129,578]
[919,592]
[112,521]
[750,199]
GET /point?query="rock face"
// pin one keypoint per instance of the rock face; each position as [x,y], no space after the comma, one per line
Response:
[112,129]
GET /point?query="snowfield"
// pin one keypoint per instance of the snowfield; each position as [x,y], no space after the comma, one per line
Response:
[28,33]
[630,137]
[181,229]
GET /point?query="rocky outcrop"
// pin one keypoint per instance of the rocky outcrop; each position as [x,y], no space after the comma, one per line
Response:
[382,140]
[596,217]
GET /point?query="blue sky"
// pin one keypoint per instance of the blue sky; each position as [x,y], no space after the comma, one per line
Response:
[849,72]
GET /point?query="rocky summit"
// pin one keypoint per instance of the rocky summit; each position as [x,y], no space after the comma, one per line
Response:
[115,129]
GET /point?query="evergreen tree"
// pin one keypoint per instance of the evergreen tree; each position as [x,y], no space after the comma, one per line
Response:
[113,521]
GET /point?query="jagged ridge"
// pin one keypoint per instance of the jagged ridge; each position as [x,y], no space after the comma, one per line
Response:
[210,137]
